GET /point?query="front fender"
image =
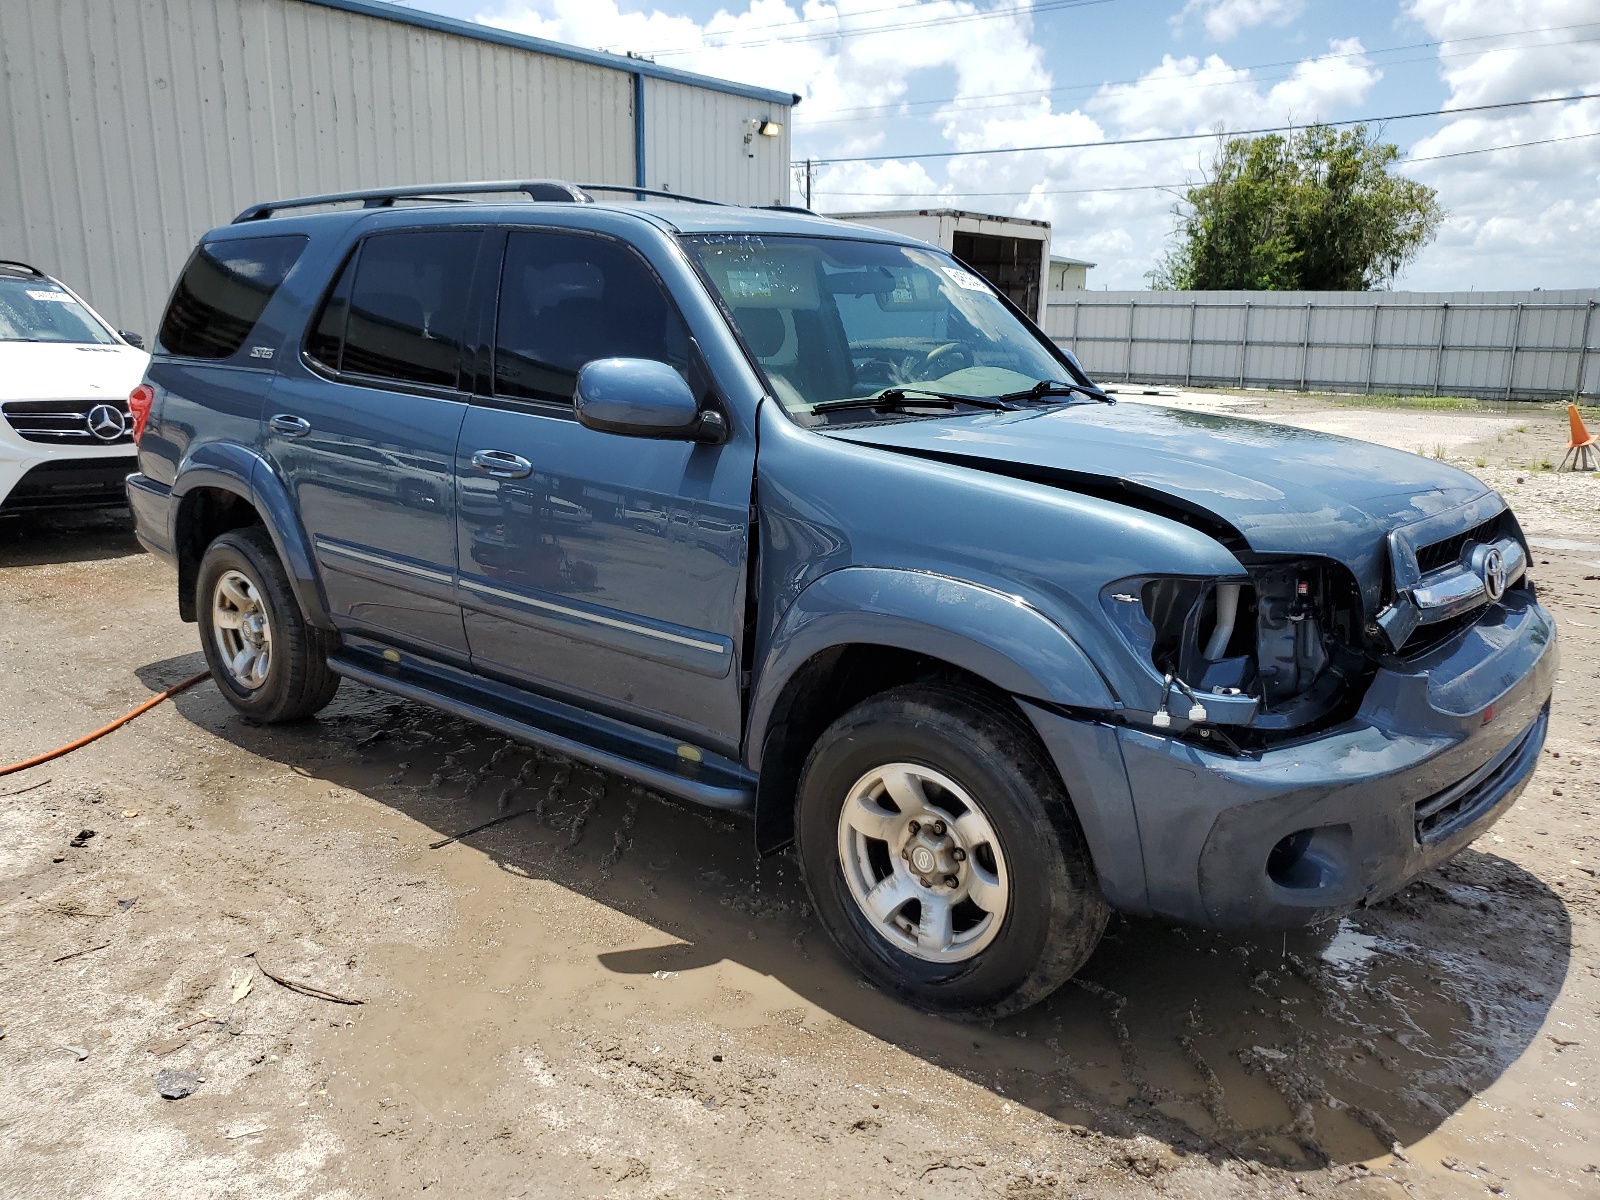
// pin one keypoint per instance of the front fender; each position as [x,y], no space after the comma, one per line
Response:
[998,637]
[233,468]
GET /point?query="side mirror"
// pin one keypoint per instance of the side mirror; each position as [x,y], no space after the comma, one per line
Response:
[132,338]
[639,397]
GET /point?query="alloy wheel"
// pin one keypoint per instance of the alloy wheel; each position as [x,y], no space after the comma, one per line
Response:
[923,863]
[242,629]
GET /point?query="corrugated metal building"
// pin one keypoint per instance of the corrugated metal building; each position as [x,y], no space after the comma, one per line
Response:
[129,127]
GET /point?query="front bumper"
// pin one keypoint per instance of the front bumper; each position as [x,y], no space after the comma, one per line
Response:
[63,482]
[40,476]
[1438,751]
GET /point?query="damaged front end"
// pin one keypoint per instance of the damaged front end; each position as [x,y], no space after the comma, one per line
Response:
[1278,652]
[1290,647]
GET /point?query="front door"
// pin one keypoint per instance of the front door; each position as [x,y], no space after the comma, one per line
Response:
[365,436]
[605,570]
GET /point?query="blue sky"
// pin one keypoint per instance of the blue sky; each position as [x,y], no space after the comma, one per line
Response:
[910,75]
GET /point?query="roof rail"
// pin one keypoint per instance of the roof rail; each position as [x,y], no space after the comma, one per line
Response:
[541,190]
[535,189]
[644,191]
[12,264]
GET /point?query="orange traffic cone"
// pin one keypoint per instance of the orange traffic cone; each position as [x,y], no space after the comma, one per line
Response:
[1580,449]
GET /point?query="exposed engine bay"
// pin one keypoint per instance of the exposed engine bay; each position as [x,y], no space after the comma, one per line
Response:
[1291,639]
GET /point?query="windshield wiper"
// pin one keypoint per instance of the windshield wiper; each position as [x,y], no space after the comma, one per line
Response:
[903,398]
[1054,387]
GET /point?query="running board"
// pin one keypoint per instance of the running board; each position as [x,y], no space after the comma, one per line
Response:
[659,762]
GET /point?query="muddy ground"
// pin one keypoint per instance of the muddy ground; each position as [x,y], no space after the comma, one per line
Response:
[611,996]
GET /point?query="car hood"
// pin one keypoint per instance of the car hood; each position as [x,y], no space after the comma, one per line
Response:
[70,371]
[1274,488]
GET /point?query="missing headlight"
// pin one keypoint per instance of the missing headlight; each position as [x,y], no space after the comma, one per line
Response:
[1281,647]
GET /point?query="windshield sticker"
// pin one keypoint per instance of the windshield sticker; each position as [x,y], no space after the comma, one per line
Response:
[965,279]
[58,297]
[749,285]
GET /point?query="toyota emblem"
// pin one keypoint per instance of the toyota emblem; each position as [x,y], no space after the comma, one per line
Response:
[1493,571]
[106,423]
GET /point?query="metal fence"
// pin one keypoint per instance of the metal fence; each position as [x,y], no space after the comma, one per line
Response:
[1490,345]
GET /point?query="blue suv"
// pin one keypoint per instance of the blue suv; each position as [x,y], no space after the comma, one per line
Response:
[781,515]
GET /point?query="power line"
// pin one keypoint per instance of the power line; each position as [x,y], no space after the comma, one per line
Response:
[1047,6]
[1189,82]
[1191,137]
[1571,137]
[1166,187]
[833,16]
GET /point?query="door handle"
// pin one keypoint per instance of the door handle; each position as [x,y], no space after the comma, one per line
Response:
[498,464]
[290,425]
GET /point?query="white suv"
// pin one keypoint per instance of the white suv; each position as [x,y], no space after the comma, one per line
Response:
[66,437]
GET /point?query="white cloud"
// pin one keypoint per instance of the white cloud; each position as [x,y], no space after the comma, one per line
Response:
[1223,19]
[1186,93]
[1518,218]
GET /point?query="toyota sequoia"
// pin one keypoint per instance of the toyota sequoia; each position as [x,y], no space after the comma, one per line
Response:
[781,515]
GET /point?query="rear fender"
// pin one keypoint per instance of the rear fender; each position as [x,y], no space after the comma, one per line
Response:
[237,469]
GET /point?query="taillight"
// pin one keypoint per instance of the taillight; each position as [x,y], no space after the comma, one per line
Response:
[139,402]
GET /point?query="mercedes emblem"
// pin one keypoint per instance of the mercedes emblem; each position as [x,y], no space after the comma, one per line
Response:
[106,423]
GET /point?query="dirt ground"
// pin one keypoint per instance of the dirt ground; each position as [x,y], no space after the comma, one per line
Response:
[611,996]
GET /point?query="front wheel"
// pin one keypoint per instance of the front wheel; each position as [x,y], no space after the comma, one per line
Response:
[268,662]
[943,856]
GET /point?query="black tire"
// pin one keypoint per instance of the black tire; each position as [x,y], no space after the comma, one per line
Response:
[1055,914]
[297,681]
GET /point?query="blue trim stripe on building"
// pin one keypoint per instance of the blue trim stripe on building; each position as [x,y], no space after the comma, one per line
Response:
[640,172]
[519,41]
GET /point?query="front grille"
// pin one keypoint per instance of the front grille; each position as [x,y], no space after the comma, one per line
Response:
[66,422]
[1443,553]
[73,483]
[1458,805]
[1427,637]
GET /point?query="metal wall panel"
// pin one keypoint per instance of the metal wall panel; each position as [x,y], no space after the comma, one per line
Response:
[696,143]
[1500,345]
[129,127]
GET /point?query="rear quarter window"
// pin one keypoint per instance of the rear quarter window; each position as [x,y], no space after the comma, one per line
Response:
[223,291]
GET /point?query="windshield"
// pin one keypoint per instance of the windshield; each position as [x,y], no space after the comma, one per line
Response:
[38,310]
[834,320]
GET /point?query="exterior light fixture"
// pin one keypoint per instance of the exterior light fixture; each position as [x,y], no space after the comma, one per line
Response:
[769,129]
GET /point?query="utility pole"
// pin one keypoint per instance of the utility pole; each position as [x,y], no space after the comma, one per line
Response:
[810,172]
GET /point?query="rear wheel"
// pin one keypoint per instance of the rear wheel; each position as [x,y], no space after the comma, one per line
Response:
[942,854]
[268,662]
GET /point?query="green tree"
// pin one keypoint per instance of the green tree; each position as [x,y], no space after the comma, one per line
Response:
[1318,210]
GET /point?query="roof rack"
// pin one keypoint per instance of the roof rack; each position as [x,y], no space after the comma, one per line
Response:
[541,190]
[644,191]
[12,264]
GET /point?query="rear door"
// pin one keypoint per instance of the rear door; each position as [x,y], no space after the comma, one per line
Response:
[606,570]
[364,432]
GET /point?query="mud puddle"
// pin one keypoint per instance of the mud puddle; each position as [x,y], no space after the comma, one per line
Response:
[1296,1051]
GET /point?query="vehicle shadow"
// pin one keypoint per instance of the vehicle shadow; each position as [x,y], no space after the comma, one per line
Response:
[36,539]
[1294,1050]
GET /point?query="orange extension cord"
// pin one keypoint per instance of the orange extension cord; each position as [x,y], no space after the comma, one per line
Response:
[100,733]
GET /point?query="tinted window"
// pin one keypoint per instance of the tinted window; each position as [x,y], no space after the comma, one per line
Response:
[408,307]
[222,293]
[566,300]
